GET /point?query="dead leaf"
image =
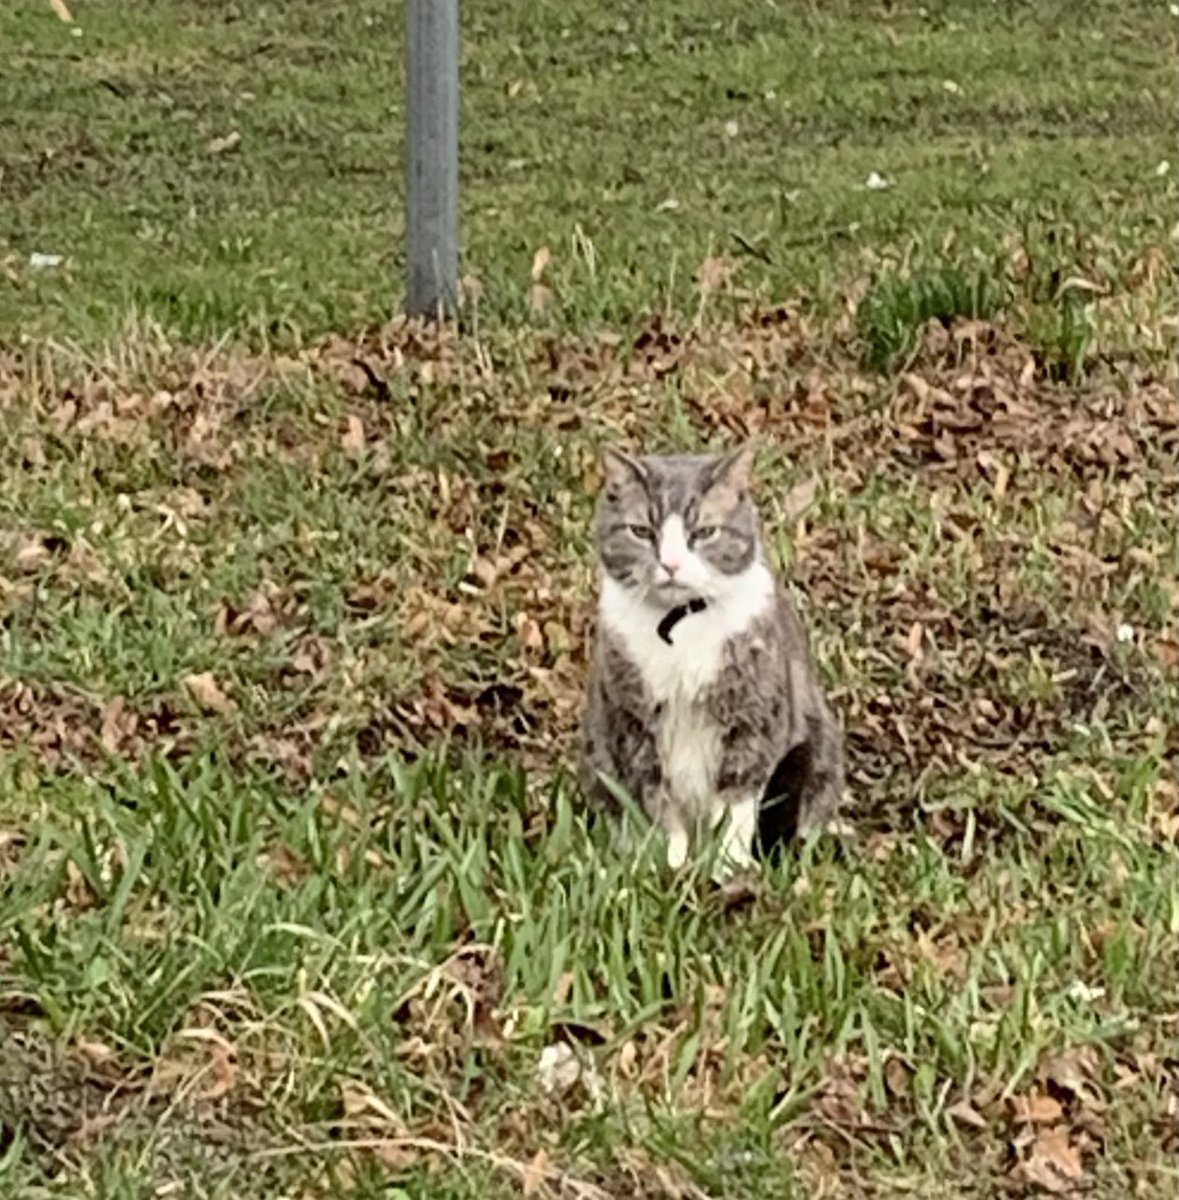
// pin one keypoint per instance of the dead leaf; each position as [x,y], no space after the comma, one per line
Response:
[967,1115]
[1072,1071]
[628,1057]
[534,1173]
[62,417]
[32,556]
[540,262]
[1037,1109]
[79,893]
[223,1069]
[1053,1163]
[800,497]
[358,1100]
[913,641]
[118,725]
[286,864]
[97,1054]
[352,439]
[354,1098]
[206,691]
[222,145]
[540,298]
[896,1077]
[395,1155]
[840,1100]
[59,7]
[484,572]
[33,452]
[529,633]
[713,273]
[563,989]
[1166,651]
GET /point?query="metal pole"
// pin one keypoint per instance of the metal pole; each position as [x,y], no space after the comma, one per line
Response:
[432,122]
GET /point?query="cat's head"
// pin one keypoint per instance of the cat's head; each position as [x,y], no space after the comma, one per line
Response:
[677,527]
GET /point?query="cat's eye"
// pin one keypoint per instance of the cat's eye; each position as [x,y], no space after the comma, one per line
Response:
[643,532]
[703,533]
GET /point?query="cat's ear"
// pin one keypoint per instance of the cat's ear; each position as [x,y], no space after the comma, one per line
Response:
[735,469]
[621,468]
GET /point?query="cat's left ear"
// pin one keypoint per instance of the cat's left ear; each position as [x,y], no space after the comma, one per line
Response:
[735,469]
[621,468]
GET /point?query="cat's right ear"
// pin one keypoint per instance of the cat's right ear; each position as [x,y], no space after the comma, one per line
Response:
[621,469]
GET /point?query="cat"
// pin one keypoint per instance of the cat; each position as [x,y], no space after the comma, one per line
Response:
[702,700]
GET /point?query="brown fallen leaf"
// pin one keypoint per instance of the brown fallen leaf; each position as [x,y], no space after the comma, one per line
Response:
[286,864]
[800,497]
[222,145]
[913,641]
[79,893]
[1166,652]
[627,1061]
[1072,1071]
[32,556]
[62,417]
[206,691]
[896,1077]
[529,633]
[222,1069]
[1037,1109]
[563,989]
[967,1115]
[395,1155]
[359,1100]
[222,1064]
[540,262]
[713,273]
[534,1173]
[1053,1163]
[352,439]
[97,1054]
[118,725]
[485,572]
[540,297]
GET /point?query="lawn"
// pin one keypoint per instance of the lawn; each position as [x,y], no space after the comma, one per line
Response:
[297,898]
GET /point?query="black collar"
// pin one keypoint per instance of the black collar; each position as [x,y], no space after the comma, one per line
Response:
[676,615]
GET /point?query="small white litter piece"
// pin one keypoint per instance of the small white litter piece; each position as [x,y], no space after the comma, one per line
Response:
[559,1068]
[876,182]
[1080,991]
[43,262]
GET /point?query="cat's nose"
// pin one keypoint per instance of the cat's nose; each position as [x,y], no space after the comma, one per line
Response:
[671,567]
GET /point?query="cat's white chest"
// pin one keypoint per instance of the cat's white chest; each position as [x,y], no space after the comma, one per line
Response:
[678,676]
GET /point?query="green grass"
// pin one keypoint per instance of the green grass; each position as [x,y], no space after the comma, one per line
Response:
[315,923]
[895,313]
[632,144]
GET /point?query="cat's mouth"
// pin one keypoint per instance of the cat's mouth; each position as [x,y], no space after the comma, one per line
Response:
[668,596]
[672,592]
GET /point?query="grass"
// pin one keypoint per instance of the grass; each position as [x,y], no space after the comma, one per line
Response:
[633,145]
[297,896]
[896,311]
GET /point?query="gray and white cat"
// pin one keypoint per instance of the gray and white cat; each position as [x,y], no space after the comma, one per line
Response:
[702,699]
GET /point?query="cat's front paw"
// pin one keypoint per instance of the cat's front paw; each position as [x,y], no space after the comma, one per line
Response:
[733,860]
[677,848]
